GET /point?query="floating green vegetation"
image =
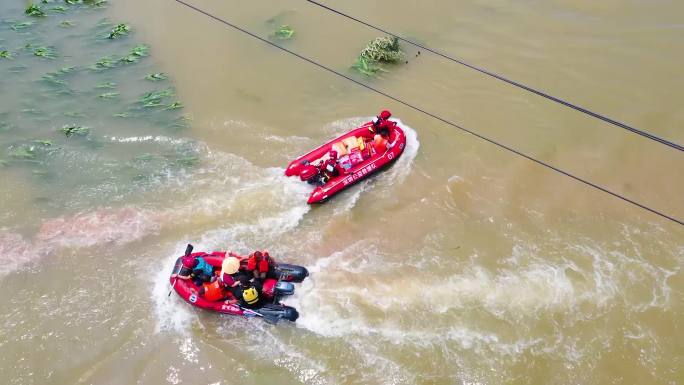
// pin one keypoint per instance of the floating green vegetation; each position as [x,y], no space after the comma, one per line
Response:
[180,122]
[70,130]
[383,49]
[53,79]
[367,67]
[43,142]
[379,50]
[108,95]
[41,51]
[156,77]
[23,152]
[35,11]
[59,9]
[154,99]
[144,157]
[95,3]
[19,68]
[6,55]
[106,86]
[174,106]
[71,2]
[284,32]
[66,24]
[40,173]
[73,114]
[119,30]
[19,26]
[137,52]
[66,70]
[122,115]
[187,161]
[32,111]
[104,63]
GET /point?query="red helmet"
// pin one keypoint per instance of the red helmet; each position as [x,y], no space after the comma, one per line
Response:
[385,114]
[333,154]
[188,262]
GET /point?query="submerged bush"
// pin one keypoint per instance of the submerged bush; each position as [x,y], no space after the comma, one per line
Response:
[379,50]
[383,49]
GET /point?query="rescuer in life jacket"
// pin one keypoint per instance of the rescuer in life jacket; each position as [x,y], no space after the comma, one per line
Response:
[382,125]
[259,264]
[249,295]
[197,269]
[330,167]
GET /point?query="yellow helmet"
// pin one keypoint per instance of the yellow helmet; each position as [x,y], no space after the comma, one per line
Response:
[250,295]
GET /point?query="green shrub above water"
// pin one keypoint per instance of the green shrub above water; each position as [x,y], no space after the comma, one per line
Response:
[379,50]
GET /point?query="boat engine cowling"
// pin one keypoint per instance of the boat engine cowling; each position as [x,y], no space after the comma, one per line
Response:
[291,273]
[282,288]
[308,173]
[279,311]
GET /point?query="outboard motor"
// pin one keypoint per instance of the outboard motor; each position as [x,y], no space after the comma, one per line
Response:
[309,173]
[282,288]
[291,273]
[277,312]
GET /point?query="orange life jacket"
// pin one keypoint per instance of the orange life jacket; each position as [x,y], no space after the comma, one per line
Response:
[213,291]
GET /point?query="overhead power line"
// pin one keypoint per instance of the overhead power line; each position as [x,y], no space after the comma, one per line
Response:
[511,82]
[443,120]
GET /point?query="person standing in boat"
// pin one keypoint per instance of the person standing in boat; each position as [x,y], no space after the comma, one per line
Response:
[382,125]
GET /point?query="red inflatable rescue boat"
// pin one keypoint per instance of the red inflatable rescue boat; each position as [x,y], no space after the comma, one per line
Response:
[360,153]
[278,283]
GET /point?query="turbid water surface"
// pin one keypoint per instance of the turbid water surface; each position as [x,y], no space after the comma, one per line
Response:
[462,264]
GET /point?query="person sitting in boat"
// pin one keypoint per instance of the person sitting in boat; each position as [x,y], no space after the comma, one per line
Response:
[382,125]
[259,264]
[220,288]
[229,272]
[249,295]
[330,168]
[197,269]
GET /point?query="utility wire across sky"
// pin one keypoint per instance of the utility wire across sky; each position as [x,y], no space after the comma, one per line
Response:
[443,120]
[509,81]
